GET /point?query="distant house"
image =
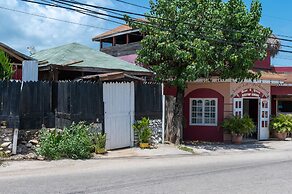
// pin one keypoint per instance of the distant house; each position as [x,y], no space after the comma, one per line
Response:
[122,42]
[16,59]
[206,103]
[75,61]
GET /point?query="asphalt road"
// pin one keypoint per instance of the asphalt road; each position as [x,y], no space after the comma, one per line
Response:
[260,172]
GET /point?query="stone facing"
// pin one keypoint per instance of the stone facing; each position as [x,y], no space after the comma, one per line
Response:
[6,138]
[156,126]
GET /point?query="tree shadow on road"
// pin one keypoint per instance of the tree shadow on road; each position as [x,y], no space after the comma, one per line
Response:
[223,146]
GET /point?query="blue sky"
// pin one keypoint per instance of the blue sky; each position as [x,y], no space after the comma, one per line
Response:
[20,30]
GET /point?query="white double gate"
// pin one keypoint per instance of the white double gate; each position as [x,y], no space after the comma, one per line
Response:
[119,104]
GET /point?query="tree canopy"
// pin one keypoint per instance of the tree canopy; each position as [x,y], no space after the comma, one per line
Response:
[5,66]
[191,39]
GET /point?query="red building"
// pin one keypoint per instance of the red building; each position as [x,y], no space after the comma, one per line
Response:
[207,103]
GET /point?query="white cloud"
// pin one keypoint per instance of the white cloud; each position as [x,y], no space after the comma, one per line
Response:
[19,30]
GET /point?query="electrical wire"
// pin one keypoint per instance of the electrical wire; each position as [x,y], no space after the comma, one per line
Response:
[132,4]
[127,12]
[51,18]
[154,17]
[71,9]
[221,41]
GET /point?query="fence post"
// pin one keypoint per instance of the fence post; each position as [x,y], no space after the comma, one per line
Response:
[163,112]
[132,113]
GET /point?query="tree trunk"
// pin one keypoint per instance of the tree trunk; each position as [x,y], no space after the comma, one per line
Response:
[169,112]
[174,117]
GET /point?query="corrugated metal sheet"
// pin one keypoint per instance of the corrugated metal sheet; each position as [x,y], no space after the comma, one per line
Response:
[29,71]
[88,57]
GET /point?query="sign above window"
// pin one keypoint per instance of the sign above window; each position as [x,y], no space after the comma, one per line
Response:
[250,92]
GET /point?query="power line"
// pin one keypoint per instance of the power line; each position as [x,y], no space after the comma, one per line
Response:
[284,51]
[143,15]
[67,8]
[103,8]
[283,45]
[73,1]
[283,58]
[51,18]
[285,36]
[57,5]
[132,4]
[69,3]
[221,41]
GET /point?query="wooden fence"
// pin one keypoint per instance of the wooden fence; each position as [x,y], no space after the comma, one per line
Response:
[28,105]
[148,100]
[9,102]
[79,101]
[36,105]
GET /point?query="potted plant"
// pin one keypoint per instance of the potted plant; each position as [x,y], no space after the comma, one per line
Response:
[144,132]
[238,127]
[282,124]
[99,143]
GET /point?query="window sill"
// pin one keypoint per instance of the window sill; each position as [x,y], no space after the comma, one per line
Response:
[204,125]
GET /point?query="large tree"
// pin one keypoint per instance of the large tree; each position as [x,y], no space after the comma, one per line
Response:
[190,39]
[5,66]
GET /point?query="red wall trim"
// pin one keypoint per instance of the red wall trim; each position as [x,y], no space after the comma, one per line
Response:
[264,64]
[281,90]
[169,90]
[17,72]
[203,133]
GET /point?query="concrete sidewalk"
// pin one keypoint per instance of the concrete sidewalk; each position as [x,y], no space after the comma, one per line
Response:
[163,150]
[256,146]
[206,148]
[199,149]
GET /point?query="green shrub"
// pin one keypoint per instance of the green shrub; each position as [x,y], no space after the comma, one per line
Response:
[49,144]
[239,126]
[282,123]
[99,143]
[73,142]
[76,142]
[143,130]
[6,70]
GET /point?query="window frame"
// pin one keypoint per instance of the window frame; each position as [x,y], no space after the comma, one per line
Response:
[203,112]
[277,106]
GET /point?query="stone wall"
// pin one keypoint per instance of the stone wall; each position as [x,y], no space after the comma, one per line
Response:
[6,138]
[156,126]
[28,141]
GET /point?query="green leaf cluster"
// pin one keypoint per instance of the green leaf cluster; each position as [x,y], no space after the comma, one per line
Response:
[142,130]
[282,123]
[6,70]
[239,126]
[202,38]
[99,141]
[73,142]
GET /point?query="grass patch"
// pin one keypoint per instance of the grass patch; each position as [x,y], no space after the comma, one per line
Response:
[186,149]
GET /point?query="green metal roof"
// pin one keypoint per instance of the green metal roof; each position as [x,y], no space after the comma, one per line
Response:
[91,58]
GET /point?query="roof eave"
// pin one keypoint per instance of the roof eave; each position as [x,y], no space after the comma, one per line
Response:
[18,55]
[93,69]
[98,38]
